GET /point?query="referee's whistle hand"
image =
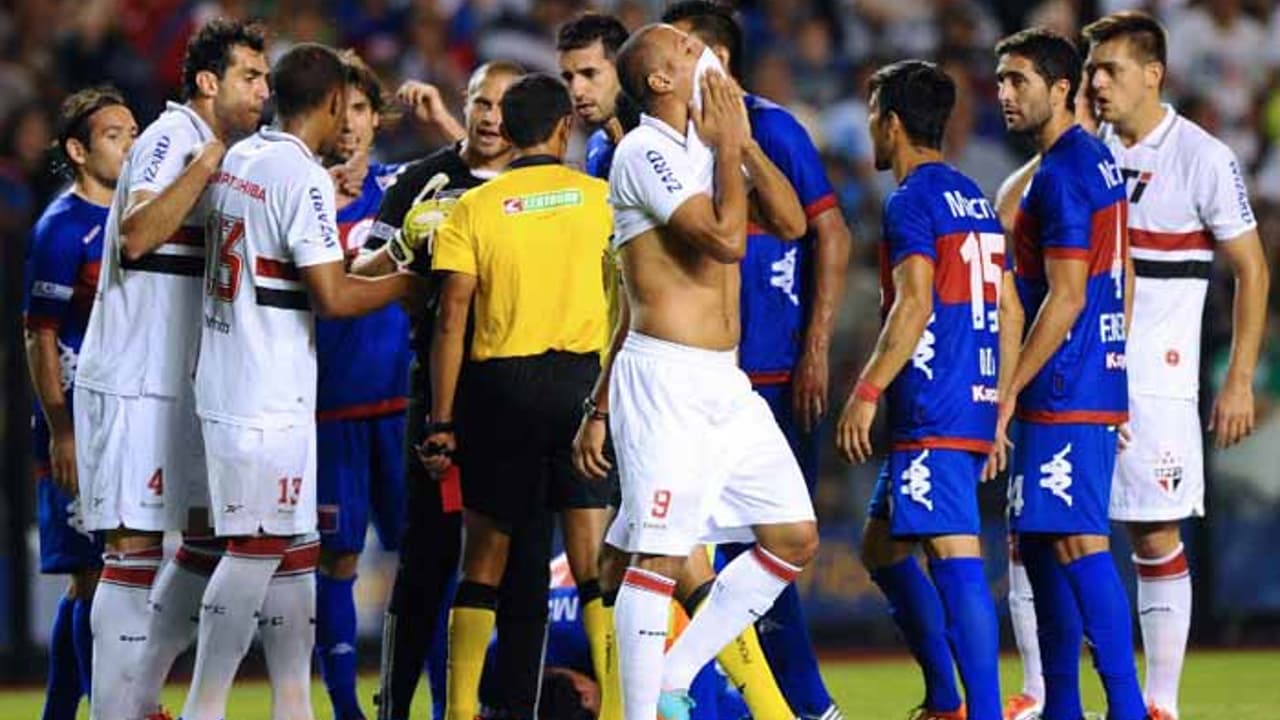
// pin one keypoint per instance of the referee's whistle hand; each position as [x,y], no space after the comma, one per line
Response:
[436,452]
[588,449]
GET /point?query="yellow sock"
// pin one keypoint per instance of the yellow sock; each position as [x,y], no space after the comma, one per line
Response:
[743,660]
[598,622]
[469,631]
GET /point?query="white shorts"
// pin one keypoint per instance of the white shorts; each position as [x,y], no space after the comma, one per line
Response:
[1160,475]
[700,457]
[140,460]
[261,481]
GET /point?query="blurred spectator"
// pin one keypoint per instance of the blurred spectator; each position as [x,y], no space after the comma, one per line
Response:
[25,181]
[527,39]
[987,161]
[815,67]
[94,51]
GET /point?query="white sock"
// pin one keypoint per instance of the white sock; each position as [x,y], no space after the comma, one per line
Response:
[175,617]
[288,631]
[1164,611]
[119,619]
[743,592]
[228,618]
[1022,614]
[641,616]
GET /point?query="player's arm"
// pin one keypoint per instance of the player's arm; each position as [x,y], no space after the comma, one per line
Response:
[1013,322]
[336,294]
[1233,411]
[151,218]
[44,360]
[1068,279]
[1010,193]
[774,204]
[718,227]
[906,322]
[588,444]
[429,108]
[832,246]
[447,355]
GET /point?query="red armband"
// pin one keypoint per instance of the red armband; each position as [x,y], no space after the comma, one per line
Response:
[866,391]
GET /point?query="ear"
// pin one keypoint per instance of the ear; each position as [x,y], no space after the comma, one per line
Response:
[76,152]
[1153,72]
[207,83]
[659,83]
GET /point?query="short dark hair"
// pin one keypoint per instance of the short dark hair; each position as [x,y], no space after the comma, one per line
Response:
[581,32]
[305,76]
[560,699]
[1145,34]
[209,49]
[1054,57]
[361,76]
[920,94]
[714,23]
[532,106]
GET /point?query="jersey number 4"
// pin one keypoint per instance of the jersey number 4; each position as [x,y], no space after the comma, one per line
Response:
[227,234]
[979,252]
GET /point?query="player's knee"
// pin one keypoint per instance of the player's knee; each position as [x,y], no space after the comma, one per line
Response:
[1154,540]
[124,540]
[612,564]
[1073,547]
[668,567]
[82,584]
[797,546]
[338,565]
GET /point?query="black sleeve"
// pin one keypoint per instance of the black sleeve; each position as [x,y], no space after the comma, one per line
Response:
[396,203]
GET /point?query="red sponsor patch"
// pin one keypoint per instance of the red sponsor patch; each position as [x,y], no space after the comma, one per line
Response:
[511,206]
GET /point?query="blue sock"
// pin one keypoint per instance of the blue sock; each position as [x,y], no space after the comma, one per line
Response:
[973,632]
[705,691]
[916,608]
[84,644]
[784,636]
[438,653]
[336,643]
[62,689]
[1107,623]
[1059,629]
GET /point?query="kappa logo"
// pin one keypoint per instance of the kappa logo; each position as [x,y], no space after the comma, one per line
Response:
[916,483]
[784,276]
[1057,475]
[924,351]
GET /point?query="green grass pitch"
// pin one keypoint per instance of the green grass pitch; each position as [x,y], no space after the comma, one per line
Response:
[1216,686]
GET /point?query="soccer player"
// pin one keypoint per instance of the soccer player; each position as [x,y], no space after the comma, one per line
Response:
[275,262]
[134,373]
[529,247]
[1070,380]
[791,292]
[937,360]
[586,48]
[95,134]
[363,370]
[700,456]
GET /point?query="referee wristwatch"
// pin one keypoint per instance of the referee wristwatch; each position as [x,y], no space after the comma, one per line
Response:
[592,411]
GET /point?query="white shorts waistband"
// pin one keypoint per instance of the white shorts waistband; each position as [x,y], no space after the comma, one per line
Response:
[647,345]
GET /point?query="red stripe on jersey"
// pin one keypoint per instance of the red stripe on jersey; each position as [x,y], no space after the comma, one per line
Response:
[643,580]
[945,443]
[775,566]
[302,558]
[887,291]
[951,277]
[278,269]
[1109,228]
[1170,569]
[819,206]
[364,411]
[39,471]
[1153,240]
[1066,253]
[139,577]
[40,322]
[189,236]
[771,377]
[1027,260]
[87,280]
[1074,417]
[754,229]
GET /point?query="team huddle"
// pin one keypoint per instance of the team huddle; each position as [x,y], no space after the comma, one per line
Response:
[257,338]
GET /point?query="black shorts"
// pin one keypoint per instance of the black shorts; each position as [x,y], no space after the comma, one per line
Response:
[516,424]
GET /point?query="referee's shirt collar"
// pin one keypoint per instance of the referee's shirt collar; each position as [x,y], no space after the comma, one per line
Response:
[532,160]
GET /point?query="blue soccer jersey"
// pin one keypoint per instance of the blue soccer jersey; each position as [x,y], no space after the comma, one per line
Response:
[363,363]
[946,396]
[1075,207]
[776,274]
[599,156]
[62,277]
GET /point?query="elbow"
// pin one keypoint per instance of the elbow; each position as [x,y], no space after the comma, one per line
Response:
[326,307]
[796,224]
[131,246]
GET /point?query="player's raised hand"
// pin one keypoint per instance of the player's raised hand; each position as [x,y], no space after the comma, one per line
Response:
[62,462]
[853,432]
[722,119]
[423,99]
[348,177]
[1232,419]
[588,449]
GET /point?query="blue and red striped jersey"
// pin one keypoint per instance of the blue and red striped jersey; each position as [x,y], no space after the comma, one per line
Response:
[363,362]
[62,277]
[1075,208]
[946,396]
[777,275]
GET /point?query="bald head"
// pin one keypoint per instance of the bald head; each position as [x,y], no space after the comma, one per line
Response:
[658,61]
[637,59]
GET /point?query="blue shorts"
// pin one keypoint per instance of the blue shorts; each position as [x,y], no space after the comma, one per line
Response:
[65,546]
[929,492]
[360,475]
[804,445]
[1060,479]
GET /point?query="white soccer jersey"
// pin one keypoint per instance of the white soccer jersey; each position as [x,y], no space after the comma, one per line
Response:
[270,212]
[143,330]
[655,169]
[1186,193]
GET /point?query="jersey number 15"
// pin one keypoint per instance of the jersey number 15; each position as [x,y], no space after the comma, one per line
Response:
[979,252]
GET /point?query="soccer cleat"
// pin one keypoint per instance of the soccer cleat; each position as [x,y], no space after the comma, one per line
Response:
[674,705]
[1158,713]
[924,713]
[1022,707]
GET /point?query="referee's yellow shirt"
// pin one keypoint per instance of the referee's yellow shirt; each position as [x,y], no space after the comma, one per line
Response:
[536,239]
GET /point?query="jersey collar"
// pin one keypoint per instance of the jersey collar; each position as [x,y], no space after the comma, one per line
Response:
[682,139]
[273,135]
[202,127]
[1155,138]
[533,160]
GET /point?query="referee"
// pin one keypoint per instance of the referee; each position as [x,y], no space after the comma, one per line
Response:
[528,248]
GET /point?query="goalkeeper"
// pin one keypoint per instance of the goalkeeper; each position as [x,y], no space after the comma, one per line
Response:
[429,551]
